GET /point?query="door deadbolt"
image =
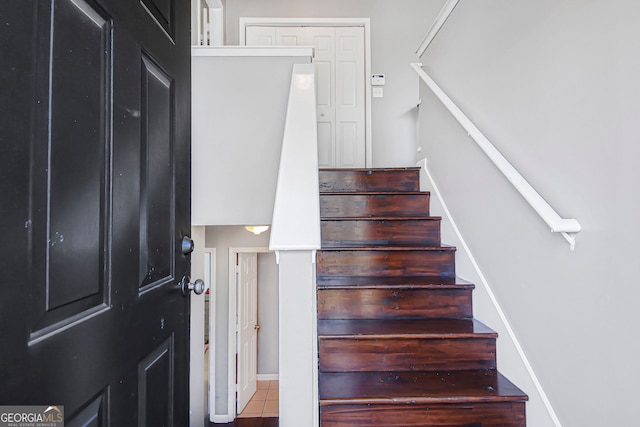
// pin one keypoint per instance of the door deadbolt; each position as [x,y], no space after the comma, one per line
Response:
[187,245]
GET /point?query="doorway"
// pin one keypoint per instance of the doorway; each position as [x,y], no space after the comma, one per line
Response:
[342,58]
[253,323]
[214,262]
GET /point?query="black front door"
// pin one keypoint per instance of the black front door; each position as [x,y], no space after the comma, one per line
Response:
[94,203]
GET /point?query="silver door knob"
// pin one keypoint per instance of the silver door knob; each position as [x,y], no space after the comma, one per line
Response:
[186,286]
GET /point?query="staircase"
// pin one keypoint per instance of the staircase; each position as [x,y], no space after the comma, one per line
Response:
[398,344]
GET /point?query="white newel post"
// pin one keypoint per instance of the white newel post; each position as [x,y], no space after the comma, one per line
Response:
[295,236]
[298,339]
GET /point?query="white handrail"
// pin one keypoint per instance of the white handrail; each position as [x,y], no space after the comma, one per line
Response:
[568,227]
[296,211]
[437,24]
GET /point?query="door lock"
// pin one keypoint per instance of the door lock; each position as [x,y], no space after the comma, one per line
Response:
[187,245]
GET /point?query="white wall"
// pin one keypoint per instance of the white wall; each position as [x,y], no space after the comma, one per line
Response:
[396,30]
[222,238]
[239,106]
[554,84]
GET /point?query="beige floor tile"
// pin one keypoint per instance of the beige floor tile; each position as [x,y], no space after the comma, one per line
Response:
[260,395]
[271,406]
[273,394]
[265,401]
[254,406]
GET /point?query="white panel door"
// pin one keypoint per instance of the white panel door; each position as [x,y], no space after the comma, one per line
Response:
[247,286]
[340,86]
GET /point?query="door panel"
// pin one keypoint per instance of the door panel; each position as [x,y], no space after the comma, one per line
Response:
[94,414]
[95,198]
[290,36]
[162,12]
[324,93]
[348,93]
[260,36]
[325,146]
[155,382]
[348,139]
[71,119]
[156,181]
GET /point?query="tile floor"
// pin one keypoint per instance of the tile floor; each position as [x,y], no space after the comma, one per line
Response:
[264,402]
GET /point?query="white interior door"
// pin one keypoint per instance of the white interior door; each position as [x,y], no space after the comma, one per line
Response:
[247,285]
[340,86]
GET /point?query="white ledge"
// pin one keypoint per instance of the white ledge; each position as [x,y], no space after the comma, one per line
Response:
[566,226]
[252,51]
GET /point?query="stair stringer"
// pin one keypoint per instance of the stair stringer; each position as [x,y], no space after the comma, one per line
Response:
[486,308]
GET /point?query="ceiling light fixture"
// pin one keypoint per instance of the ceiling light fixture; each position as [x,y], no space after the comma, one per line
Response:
[256,229]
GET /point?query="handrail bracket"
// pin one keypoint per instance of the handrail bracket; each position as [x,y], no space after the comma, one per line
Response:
[571,238]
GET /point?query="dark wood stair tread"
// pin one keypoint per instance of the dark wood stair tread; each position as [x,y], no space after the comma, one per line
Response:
[404,282]
[372,203]
[389,248]
[399,168]
[381,218]
[380,231]
[348,388]
[402,328]
[374,193]
[369,179]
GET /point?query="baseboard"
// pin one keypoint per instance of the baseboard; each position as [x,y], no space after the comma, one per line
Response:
[268,377]
[220,419]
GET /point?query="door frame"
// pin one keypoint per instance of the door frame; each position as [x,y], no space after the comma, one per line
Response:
[245,22]
[232,338]
[210,271]
[203,266]
[197,400]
